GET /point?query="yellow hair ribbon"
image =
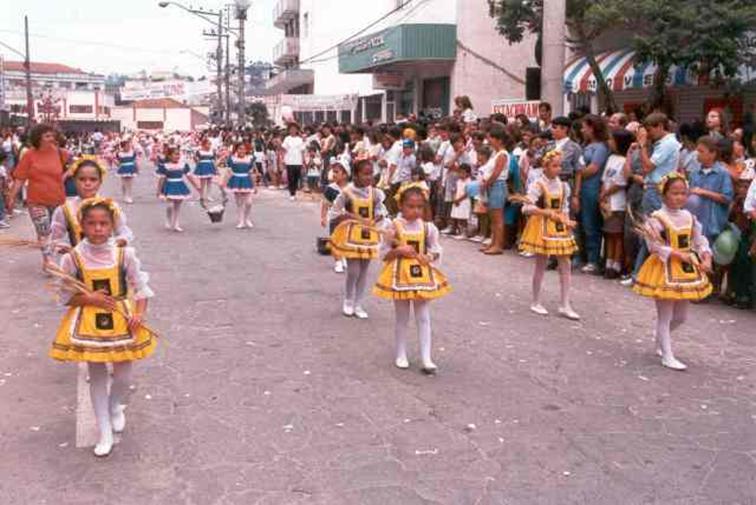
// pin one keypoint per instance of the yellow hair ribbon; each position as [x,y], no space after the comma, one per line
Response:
[98,200]
[550,156]
[417,185]
[89,159]
[672,176]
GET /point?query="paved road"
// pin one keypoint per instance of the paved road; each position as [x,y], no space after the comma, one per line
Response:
[262,393]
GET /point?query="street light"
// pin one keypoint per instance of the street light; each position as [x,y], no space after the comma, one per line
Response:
[219,50]
[241,7]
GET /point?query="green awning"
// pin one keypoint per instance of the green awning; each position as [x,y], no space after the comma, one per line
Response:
[408,42]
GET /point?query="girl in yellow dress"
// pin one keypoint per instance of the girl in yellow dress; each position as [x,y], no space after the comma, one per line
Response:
[549,232]
[675,272]
[409,277]
[65,231]
[356,239]
[93,331]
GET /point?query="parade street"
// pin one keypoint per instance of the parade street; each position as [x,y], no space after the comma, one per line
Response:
[262,392]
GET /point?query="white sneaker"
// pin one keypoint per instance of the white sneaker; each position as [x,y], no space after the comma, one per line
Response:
[402,362]
[674,364]
[539,309]
[487,241]
[178,228]
[360,313]
[429,368]
[569,313]
[250,224]
[347,309]
[627,282]
[4,225]
[338,267]
[590,268]
[104,447]
[477,238]
[241,226]
[527,254]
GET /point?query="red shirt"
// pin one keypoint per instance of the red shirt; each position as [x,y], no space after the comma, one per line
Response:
[43,168]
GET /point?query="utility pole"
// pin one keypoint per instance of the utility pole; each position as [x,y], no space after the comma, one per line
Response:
[27,67]
[552,65]
[228,66]
[241,15]
[219,65]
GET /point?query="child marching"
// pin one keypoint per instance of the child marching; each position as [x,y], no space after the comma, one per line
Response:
[548,232]
[241,184]
[104,324]
[409,276]
[675,272]
[340,174]
[173,175]
[205,168]
[357,239]
[66,233]
[127,169]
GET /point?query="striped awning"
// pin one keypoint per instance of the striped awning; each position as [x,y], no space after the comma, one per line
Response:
[621,72]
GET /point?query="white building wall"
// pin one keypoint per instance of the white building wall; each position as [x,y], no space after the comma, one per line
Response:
[178,119]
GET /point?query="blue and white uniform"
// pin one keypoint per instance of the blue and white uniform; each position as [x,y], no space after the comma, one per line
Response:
[205,168]
[174,186]
[241,178]
[127,164]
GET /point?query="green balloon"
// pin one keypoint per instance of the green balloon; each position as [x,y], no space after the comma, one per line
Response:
[725,247]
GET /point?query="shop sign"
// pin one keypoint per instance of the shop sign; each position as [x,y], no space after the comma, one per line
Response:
[383,56]
[513,108]
[388,80]
[372,42]
[312,103]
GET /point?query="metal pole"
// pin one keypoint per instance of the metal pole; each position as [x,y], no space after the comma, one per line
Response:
[27,67]
[552,68]
[242,18]
[228,67]
[219,65]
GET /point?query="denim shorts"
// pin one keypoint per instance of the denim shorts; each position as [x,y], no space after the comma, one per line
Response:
[497,195]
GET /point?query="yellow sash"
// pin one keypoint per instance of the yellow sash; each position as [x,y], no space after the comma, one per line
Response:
[72,225]
[94,324]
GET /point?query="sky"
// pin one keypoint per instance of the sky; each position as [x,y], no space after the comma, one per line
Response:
[116,36]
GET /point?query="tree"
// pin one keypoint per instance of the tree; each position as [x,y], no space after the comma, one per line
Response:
[586,21]
[258,113]
[702,36]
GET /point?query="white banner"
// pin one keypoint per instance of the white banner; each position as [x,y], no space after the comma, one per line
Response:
[512,108]
[165,89]
[308,103]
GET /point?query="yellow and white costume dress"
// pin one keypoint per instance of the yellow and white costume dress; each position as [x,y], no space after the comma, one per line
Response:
[408,279]
[97,335]
[542,235]
[66,230]
[665,277]
[352,240]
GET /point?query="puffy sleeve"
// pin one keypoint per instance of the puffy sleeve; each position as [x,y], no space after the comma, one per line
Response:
[122,230]
[566,199]
[660,249]
[68,266]
[535,192]
[700,242]
[59,228]
[136,278]
[339,204]
[434,243]
[379,210]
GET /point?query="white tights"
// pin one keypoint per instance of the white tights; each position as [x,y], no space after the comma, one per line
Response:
[204,187]
[108,405]
[172,213]
[565,279]
[423,321]
[243,208]
[356,281]
[670,314]
[127,183]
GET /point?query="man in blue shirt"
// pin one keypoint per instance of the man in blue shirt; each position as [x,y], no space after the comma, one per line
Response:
[711,183]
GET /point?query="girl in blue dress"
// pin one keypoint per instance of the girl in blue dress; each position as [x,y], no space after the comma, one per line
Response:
[205,169]
[127,169]
[173,176]
[241,184]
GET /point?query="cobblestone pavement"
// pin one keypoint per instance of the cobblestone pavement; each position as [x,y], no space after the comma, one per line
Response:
[262,393]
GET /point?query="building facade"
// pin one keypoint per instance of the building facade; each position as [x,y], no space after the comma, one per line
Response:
[160,114]
[395,57]
[59,92]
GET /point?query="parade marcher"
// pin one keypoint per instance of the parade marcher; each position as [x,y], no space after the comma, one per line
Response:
[675,272]
[548,232]
[95,329]
[127,169]
[205,169]
[66,232]
[340,175]
[409,277]
[241,184]
[356,239]
[173,186]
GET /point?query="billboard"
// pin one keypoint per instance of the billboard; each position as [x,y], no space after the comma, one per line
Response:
[143,90]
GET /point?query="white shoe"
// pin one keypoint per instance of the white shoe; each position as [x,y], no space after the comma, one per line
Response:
[590,268]
[429,368]
[487,241]
[674,364]
[476,238]
[527,254]
[292,198]
[569,313]
[128,200]
[627,282]
[178,228]
[250,224]
[539,309]
[459,237]
[241,226]
[104,447]
[360,313]
[446,231]
[168,226]
[402,362]
[338,267]
[4,225]
[347,309]
[118,419]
